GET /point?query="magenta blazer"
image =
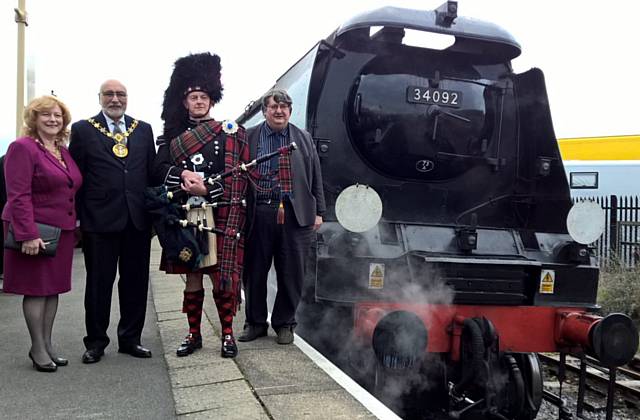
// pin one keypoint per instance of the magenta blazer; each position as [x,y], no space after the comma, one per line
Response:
[39,188]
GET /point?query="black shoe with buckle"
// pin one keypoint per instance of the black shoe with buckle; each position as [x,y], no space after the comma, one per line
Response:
[190,344]
[229,347]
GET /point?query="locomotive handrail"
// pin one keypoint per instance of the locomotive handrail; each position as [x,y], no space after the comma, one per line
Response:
[492,261]
[481,205]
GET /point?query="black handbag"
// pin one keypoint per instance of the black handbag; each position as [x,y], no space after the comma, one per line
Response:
[50,235]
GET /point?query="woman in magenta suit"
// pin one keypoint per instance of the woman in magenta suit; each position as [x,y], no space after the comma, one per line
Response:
[41,180]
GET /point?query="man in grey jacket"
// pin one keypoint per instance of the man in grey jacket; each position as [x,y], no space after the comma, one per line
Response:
[285,210]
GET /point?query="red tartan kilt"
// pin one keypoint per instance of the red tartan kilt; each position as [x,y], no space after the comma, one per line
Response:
[170,268]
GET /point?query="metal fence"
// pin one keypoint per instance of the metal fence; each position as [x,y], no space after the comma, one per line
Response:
[621,239]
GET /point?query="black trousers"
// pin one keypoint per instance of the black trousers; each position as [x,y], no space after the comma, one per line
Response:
[104,253]
[287,246]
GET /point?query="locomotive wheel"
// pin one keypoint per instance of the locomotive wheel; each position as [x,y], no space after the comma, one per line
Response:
[531,375]
[415,394]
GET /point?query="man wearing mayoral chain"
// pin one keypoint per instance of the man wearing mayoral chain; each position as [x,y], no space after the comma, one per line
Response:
[115,153]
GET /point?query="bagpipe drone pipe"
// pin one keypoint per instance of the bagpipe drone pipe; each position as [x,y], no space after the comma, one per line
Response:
[185,241]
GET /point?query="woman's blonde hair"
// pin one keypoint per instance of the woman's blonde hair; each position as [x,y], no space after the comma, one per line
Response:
[38,105]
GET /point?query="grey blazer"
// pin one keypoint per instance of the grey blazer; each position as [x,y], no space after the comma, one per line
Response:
[308,195]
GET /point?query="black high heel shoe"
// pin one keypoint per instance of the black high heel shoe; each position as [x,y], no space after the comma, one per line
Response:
[49,367]
[60,361]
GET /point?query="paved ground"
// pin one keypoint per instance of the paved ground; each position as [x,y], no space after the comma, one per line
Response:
[118,387]
[265,381]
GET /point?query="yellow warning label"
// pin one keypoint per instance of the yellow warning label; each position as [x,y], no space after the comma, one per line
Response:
[376,276]
[547,281]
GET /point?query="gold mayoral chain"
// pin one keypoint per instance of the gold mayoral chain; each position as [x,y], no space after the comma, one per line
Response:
[120,148]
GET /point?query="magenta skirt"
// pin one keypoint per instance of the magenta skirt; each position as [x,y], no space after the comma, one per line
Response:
[37,275]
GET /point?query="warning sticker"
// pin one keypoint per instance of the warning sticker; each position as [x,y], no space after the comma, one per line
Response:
[376,276]
[547,281]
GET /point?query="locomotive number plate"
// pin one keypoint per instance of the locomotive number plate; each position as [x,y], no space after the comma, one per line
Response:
[427,95]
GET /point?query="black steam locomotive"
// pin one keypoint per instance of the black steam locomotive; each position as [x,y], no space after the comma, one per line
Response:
[444,263]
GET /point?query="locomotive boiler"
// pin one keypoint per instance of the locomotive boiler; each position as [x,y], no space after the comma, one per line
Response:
[446,260]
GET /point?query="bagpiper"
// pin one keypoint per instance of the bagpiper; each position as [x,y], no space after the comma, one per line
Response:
[193,149]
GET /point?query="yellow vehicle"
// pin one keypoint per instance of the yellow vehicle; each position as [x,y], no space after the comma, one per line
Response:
[602,166]
[600,148]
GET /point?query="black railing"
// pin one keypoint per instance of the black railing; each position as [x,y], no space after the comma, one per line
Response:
[621,239]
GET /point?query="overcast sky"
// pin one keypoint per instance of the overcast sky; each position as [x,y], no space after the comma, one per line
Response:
[588,51]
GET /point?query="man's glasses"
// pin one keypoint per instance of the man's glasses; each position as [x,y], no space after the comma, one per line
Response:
[111,94]
[280,106]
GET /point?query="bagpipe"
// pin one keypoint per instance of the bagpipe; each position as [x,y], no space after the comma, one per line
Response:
[187,239]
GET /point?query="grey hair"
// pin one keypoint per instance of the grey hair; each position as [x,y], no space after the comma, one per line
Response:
[278,95]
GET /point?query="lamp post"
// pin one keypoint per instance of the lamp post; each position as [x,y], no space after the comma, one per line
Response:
[21,20]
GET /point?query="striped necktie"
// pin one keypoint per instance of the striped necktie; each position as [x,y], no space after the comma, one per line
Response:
[116,130]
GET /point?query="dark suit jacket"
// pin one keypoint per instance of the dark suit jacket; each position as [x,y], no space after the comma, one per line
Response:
[308,195]
[113,188]
[40,189]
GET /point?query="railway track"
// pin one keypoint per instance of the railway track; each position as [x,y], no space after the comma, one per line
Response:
[601,394]
[627,378]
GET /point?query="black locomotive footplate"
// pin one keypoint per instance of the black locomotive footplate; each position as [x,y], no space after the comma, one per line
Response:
[428,95]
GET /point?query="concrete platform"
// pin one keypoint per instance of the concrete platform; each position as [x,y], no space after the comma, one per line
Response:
[119,387]
[266,380]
